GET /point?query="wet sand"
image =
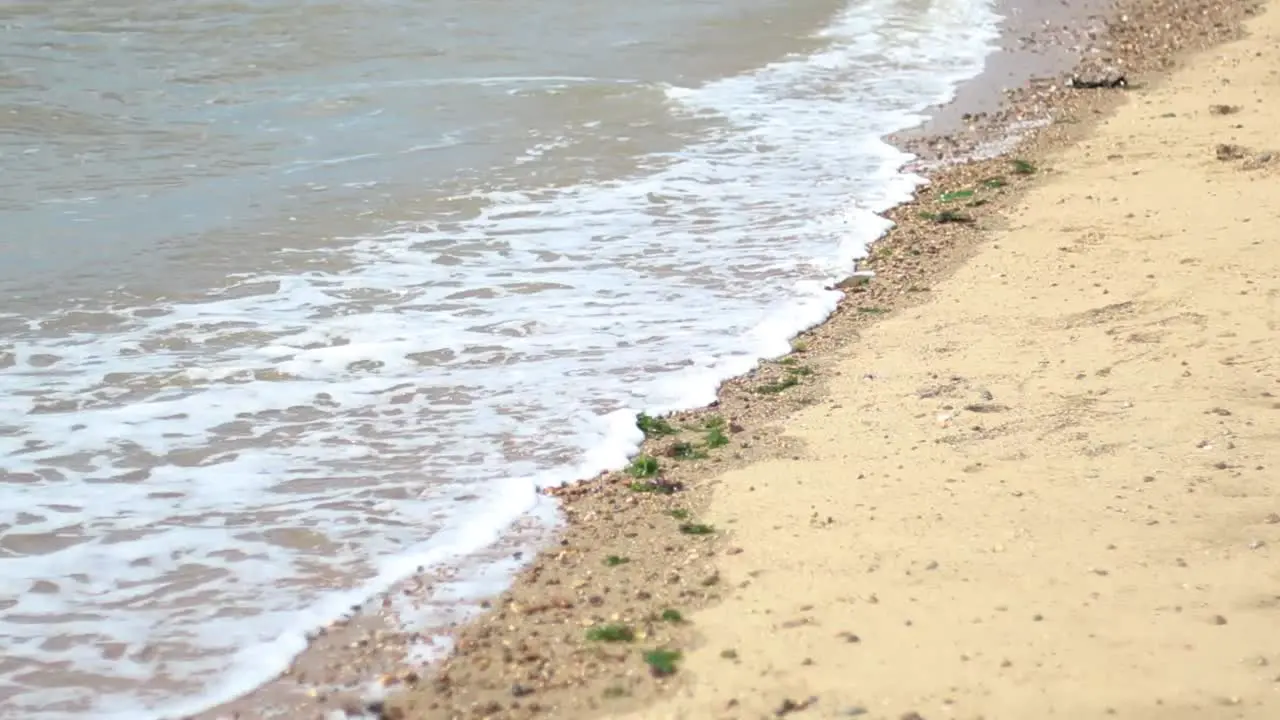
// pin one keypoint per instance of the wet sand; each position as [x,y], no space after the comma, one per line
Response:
[1020,473]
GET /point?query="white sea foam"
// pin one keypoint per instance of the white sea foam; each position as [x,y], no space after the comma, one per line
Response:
[210,467]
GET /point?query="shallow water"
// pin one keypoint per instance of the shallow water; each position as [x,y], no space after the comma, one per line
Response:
[302,295]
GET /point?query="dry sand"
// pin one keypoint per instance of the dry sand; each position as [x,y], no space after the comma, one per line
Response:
[1050,491]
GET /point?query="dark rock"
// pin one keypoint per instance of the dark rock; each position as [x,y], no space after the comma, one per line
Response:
[789,706]
[1101,82]
[1227,151]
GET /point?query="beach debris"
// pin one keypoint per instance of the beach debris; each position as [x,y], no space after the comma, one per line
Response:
[1110,81]
[1227,151]
[857,281]
[788,381]
[1257,161]
[789,706]
[1220,109]
[643,466]
[715,437]
[662,663]
[382,711]
[654,426]
[351,707]
[685,450]
[690,528]
[947,216]
[986,408]
[955,195]
[658,486]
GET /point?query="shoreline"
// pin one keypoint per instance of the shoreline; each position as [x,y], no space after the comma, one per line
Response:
[1038,44]
[1044,491]
[575,585]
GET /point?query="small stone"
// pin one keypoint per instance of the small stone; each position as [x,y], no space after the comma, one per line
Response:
[1258,161]
[392,713]
[351,707]
[1219,620]
[1227,151]
[789,706]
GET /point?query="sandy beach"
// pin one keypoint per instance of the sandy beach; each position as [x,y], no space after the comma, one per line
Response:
[1042,488]
[1050,490]
[1023,472]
